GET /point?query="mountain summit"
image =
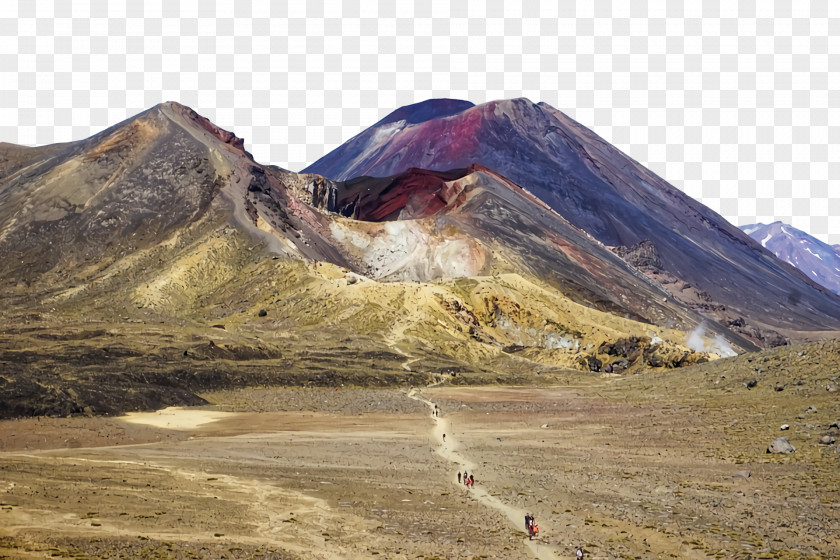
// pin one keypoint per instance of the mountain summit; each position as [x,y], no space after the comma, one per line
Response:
[693,252]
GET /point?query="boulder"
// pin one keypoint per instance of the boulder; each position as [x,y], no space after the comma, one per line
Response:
[741,474]
[784,427]
[781,445]
[827,440]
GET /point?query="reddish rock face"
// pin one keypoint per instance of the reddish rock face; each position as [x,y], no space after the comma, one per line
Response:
[415,194]
[224,135]
[599,190]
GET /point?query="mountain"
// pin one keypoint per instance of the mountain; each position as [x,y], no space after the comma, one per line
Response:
[819,261]
[688,249]
[157,260]
[128,187]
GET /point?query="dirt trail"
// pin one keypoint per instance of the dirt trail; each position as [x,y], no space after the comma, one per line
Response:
[449,449]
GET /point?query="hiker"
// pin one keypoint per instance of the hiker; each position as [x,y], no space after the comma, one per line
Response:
[579,554]
[534,528]
[465,477]
[528,523]
[444,438]
[472,481]
[459,477]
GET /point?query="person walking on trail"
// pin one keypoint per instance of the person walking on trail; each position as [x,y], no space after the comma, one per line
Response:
[472,481]
[531,526]
[579,554]
[459,477]
[444,438]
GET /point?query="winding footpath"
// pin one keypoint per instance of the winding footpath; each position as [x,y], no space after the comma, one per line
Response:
[450,450]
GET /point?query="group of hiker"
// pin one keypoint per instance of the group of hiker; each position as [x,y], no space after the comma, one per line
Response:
[530,523]
[468,479]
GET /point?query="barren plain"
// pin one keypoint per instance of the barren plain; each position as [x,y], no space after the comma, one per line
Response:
[655,465]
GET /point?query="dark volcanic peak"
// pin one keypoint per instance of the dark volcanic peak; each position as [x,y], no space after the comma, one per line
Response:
[605,193]
[426,110]
[817,260]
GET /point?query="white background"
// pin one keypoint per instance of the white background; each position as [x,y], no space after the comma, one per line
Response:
[736,102]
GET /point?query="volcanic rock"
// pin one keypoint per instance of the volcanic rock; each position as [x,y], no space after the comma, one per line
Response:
[781,445]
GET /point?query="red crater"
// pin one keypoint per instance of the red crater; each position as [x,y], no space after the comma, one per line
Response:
[414,194]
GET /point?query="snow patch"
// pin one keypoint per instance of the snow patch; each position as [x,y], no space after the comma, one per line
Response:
[766,239]
[813,253]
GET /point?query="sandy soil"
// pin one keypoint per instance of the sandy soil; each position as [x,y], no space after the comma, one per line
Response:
[355,473]
[177,418]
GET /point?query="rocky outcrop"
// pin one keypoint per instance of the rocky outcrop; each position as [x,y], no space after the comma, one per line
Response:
[642,255]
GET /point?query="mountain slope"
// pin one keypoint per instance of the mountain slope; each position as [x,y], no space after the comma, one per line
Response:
[157,260]
[489,225]
[698,256]
[817,260]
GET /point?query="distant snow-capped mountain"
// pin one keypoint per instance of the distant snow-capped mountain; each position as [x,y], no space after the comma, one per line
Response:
[819,261]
